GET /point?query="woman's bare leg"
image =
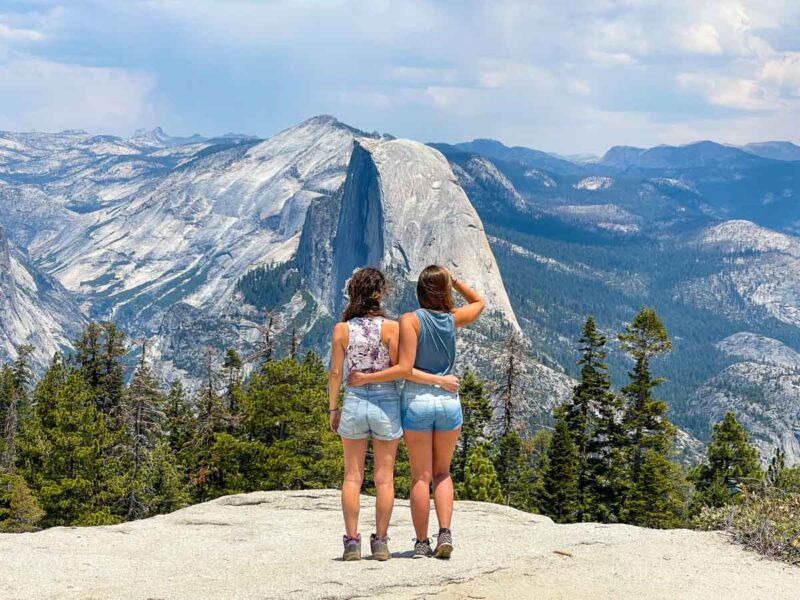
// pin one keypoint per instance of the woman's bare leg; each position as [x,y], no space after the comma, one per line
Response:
[384,452]
[444,442]
[420,457]
[355,451]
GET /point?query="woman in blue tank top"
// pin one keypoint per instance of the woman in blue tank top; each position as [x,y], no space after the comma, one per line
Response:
[431,415]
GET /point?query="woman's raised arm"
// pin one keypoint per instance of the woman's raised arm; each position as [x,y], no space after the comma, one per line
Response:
[465,315]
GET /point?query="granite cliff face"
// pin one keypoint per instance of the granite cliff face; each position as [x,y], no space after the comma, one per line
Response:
[402,209]
[762,387]
[34,308]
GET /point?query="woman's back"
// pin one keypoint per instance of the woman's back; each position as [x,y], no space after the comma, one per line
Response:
[365,352]
[436,343]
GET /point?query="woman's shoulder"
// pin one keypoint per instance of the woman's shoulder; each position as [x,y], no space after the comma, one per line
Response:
[340,330]
[409,317]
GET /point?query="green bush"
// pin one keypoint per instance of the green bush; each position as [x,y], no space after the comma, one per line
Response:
[768,524]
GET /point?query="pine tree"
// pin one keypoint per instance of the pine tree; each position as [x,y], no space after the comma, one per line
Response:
[20,378]
[67,453]
[560,481]
[212,420]
[776,470]
[535,449]
[512,471]
[180,423]
[508,406]
[164,486]
[19,510]
[231,369]
[98,352]
[480,479]
[731,461]
[655,500]
[645,419]
[6,396]
[283,407]
[143,418]
[477,416]
[594,417]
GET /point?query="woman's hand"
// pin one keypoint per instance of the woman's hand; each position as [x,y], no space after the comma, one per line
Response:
[357,379]
[334,417]
[450,383]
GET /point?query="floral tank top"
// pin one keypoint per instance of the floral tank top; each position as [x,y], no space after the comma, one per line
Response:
[365,352]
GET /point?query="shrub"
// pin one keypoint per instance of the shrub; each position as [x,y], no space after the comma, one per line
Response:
[768,524]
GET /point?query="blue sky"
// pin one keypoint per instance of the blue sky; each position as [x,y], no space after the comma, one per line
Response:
[566,76]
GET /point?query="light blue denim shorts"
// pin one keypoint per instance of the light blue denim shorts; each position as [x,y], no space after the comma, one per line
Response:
[371,411]
[430,408]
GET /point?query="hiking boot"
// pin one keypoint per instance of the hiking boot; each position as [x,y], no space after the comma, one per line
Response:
[379,547]
[444,544]
[422,549]
[352,548]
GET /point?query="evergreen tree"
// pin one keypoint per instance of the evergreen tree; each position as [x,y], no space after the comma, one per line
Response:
[560,481]
[512,471]
[480,479]
[656,500]
[594,417]
[535,449]
[18,379]
[284,409]
[19,510]
[212,420]
[98,352]
[477,416]
[731,461]
[232,369]
[6,395]
[645,422]
[508,406]
[67,453]
[164,486]
[179,421]
[143,418]
[777,467]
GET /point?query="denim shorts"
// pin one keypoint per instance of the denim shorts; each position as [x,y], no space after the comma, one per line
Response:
[371,411]
[430,408]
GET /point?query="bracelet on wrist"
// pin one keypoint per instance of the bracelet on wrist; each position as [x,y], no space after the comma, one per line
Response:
[332,410]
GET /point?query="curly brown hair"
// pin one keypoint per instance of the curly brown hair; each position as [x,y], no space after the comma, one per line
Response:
[364,292]
[435,289]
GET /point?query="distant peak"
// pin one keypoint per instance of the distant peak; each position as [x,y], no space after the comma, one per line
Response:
[333,122]
[322,120]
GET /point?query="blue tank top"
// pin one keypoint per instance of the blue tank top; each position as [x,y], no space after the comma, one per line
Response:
[436,345]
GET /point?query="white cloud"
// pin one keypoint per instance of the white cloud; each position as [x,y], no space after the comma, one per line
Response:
[610,58]
[784,72]
[702,39]
[11,34]
[46,95]
[730,92]
[577,86]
